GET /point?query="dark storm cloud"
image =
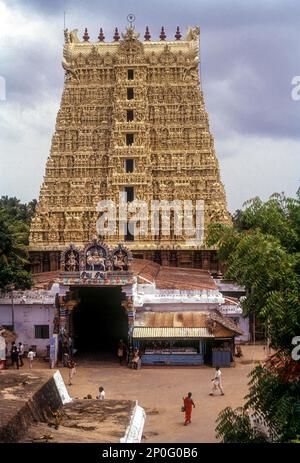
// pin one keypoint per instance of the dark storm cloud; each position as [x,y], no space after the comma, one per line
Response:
[259,38]
[258,65]
[32,76]
[250,51]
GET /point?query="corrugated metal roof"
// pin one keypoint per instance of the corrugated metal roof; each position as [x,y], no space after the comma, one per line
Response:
[142,332]
[174,320]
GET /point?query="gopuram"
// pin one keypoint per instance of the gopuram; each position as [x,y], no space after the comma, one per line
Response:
[132,120]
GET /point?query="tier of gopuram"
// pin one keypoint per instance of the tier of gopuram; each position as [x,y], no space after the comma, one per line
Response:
[132,120]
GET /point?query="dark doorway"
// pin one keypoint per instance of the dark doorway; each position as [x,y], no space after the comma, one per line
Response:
[99,321]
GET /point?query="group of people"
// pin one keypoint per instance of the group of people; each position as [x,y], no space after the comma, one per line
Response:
[17,355]
[188,402]
[129,356]
[101,395]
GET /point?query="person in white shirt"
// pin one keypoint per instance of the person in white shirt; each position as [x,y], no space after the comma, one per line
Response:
[30,356]
[101,395]
[216,382]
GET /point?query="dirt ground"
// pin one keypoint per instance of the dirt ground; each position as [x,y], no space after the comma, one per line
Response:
[160,390]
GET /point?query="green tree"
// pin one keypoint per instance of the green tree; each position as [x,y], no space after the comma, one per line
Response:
[271,397]
[14,233]
[17,210]
[262,252]
[234,426]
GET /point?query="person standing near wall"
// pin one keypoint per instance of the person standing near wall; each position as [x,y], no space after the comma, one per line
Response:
[21,353]
[2,351]
[120,352]
[136,359]
[30,356]
[15,357]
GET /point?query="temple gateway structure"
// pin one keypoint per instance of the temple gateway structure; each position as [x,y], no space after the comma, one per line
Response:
[175,316]
[132,122]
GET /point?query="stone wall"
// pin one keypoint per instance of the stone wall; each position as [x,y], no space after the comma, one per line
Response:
[25,398]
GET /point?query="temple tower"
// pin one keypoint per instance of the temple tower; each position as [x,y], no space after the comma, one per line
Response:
[132,120]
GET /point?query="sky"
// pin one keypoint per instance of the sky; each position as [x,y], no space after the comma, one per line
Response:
[250,52]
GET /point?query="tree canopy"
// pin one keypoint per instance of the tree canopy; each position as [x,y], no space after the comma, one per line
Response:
[14,232]
[262,252]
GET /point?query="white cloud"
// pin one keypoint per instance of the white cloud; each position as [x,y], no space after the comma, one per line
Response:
[240,66]
[26,146]
[258,166]
[20,26]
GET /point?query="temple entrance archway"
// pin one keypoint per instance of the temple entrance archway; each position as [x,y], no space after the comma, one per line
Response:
[99,321]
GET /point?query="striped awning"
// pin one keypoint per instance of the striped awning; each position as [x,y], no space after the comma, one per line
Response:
[144,332]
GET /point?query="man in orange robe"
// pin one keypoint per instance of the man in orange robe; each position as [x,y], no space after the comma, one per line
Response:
[188,405]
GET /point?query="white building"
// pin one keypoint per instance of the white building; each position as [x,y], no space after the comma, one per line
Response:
[30,314]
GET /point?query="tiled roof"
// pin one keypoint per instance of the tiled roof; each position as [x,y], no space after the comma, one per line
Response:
[284,366]
[44,280]
[146,269]
[227,322]
[172,277]
[164,277]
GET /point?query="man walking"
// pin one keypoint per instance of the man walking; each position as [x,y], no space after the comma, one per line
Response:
[216,382]
[188,403]
[72,370]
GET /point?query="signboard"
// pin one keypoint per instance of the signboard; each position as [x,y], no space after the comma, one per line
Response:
[229,309]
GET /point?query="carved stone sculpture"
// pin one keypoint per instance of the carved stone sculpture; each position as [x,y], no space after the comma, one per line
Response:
[151,91]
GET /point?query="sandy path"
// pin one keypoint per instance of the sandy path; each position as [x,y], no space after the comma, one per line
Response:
[159,390]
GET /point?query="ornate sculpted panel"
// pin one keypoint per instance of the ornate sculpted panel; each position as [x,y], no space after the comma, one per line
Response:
[87,159]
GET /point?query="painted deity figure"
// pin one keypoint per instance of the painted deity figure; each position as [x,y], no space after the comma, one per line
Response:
[95,260]
[90,260]
[120,261]
[71,262]
[99,261]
